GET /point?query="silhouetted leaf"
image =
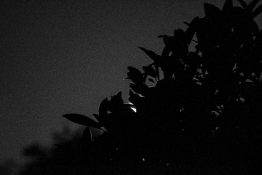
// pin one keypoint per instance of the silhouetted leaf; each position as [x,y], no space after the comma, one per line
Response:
[82,120]
[155,57]
[104,106]
[169,42]
[135,75]
[117,99]
[192,28]
[211,10]
[116,102]
[149,70]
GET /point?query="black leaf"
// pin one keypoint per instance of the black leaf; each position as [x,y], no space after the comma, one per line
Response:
[135,75]
[155,57]
[116,102]
[82,120]
[149,70]
[192,28]
[211,10]
[104,106]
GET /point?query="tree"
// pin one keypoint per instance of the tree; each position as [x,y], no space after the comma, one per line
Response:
[195,109]
[65,156]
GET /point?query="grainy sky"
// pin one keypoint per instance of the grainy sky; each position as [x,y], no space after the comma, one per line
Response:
[59,57]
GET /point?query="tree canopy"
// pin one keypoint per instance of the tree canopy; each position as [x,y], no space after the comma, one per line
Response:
[195,109]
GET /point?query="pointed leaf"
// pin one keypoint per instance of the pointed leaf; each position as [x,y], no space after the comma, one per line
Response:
[211,10]
[155,57]
[135,75]
[149,70]
[82,120]
[116,100]
[104,106]
[168,40]
[192,28]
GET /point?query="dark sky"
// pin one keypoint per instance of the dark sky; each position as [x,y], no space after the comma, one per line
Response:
[58,57]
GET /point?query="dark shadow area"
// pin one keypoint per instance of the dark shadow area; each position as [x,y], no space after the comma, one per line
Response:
[9,167]
[196,109]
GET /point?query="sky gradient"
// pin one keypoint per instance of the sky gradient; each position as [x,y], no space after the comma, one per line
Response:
[60,57]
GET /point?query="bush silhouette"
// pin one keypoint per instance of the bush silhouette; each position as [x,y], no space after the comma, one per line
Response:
[195,109]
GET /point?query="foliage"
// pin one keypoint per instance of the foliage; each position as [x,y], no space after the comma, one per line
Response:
[195,108]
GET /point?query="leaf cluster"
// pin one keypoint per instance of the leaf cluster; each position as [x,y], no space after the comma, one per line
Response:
[195,108]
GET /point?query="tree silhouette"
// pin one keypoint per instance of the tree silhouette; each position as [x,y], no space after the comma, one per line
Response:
[63,157]
[195,109]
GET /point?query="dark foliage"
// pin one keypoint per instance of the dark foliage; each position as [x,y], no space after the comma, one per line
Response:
[195,109]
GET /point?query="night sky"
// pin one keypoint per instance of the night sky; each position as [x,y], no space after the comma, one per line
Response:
[59,57]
